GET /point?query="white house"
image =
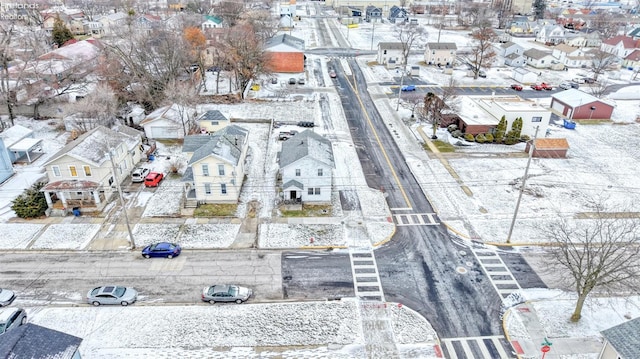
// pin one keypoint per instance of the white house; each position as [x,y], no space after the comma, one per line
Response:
[390,54]
[620,46]
[211,22]
[551,35]
[539,59]
[82,174]
[306,164]
[524,76]
[216,166]
[169,122]
[512,53]
[440,53]
[113,22]
[571,56]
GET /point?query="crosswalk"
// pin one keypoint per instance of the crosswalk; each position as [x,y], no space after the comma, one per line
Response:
[488,347]
[499,274]
[415,219]
[366,279]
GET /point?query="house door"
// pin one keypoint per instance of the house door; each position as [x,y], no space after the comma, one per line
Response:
[292,195]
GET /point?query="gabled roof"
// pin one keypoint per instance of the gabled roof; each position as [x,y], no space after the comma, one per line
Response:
[441,46]
[634,56]
[213,19]
[624,338]
[575,98]
[306,144]
[635,32]
[627,42]
[285,39]
[390,45]
[14,134]
[508,44]
[172,113]
[92,147]
[34,341]
[225,144]
[513,56]
[213,115]
[292,183]
[536,54]
[565,48]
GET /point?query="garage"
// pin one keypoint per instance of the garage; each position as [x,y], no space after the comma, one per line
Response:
[164,132]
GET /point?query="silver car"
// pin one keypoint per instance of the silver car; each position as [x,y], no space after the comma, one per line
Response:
[112,294]
[11,319]
[225,293]
[6,297]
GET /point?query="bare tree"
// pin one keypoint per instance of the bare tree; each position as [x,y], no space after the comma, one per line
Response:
[97,108]
[245,53]
[600,62]
[600,252]
[408,34]
[184,95]
[262,22]
[605,23]
[482,51]
[230,11]
[7,85]
[434,106]
[598,88]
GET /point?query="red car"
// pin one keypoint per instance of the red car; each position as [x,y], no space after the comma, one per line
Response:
[516,87]
[153,179]
[546,86]
[536,87]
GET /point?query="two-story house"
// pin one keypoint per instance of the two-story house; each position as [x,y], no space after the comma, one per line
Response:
[216,166]
[398,14]
[85,171]
[551,35]
[390,54]
[440,53]
[632,61]
[212,121]
[512,53]
[306,164]
[211,22]
[620,46]
[373,13]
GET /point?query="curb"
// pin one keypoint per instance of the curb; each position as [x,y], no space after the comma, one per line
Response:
[506,332]
[386,240]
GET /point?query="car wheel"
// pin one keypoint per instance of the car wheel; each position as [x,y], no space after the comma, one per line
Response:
[124,304]
[96,303]
[147,256]
[239,301]
[23,321]
[170,256]
[211,301]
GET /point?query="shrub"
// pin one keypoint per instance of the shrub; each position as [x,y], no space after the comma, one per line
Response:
[525,138]
[31,203]
[469,137]
[480,138]
[489,137]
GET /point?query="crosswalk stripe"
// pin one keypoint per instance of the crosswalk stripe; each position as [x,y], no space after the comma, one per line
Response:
[483,348]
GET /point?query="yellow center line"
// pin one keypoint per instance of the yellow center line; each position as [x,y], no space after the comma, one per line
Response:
[375,134]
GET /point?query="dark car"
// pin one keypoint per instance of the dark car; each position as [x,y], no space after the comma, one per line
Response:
[153,179]
[161,249]
[226,293]
[306,124]
[292,81]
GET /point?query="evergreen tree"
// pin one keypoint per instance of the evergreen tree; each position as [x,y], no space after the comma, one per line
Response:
[60,33]
[539,8]
[501,129]
[31,203]
[513,136]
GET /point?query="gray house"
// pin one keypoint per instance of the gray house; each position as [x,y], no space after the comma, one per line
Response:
[34,341]
[622,341]
[398,14]
[306,164]
[373,13]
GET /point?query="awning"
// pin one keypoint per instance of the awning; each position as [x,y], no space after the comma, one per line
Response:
[70,185]
[25,145]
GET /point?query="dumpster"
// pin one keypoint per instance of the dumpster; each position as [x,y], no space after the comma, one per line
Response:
[76,211]
[570,124]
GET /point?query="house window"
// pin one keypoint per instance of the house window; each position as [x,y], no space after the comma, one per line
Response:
[319,172]
[87,171]
[297,172]
[221,170]
[73,171]
[207,188]
[310,191]
[433,52]
[56,171]
[384,52]
[205,170]
[318,190]
[536,119]
[215,123]
[223,188]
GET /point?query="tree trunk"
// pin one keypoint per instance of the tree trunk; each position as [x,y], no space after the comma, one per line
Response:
[12,115]
[577,313]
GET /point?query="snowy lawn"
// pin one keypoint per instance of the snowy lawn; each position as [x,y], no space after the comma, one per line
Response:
[166,200]
[208,235]
[66,236]
[283,235]
[148,233]
[18,235]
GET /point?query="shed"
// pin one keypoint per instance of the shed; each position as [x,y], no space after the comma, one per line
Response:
[548,147]
[577,105]
[20,143]
[169,122]
[524,76]
[622,341]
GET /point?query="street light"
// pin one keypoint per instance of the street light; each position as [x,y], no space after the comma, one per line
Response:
[593,108]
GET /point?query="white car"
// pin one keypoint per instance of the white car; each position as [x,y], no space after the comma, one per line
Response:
[6,297]
[139,174]
[11,319]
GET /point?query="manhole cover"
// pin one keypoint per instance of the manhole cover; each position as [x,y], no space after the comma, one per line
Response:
[461,270]
[462,253]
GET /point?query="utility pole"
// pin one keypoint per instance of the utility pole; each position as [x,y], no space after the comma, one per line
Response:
[524,180]
[122,203]
[373,30]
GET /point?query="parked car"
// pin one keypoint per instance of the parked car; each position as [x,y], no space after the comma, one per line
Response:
[482,74]
[274,80]
[139,174]
[306,124]
[301,81]
[153,179]
[408,88]
[11,319]
[292,81]
[226,293]
[536,87]
[6,297]
[162,249]
[589,80]
[565,85]
[516,87]
[546,86]
[578,80]
[332,74]
[112,294]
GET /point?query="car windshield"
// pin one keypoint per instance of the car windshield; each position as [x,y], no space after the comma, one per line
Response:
[233,291]
[119,291]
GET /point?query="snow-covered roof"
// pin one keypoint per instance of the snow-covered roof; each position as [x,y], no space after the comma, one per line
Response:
[172,113]
[625,339]
[536,54]
[14,134]
[25,144]
[287,40]
[575,97]
[92,146]
[213,115]
[225,144]
[306,144]
[33,341]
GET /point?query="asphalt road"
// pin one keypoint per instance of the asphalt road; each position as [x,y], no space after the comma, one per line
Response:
[61,277]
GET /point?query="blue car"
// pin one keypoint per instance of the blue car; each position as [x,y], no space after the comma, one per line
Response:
[162,249]
[409,88]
